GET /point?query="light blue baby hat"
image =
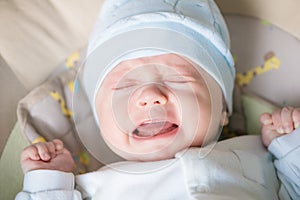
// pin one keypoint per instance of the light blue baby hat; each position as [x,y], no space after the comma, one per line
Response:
[127,29]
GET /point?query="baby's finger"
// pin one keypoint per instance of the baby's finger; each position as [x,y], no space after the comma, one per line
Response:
[296,117]
[59,145]
[43,151]
[51,148]
[269,133]
[30,152]
[276,118]
[266,119]
[286,119]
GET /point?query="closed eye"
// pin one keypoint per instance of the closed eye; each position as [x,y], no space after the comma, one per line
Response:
[124,85]
[179,79]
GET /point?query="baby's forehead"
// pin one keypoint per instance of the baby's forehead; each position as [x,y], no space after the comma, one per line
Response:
[165,61]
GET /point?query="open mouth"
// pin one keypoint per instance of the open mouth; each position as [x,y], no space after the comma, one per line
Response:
[152,129]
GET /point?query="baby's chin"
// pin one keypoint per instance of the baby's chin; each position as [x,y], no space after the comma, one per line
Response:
[151,157]
[162,154]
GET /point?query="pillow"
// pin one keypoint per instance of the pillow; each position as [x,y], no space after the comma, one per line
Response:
[253,107]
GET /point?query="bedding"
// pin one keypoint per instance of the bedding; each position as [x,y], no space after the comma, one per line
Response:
[43,33]
[266,59]
[11,176]
[36,36]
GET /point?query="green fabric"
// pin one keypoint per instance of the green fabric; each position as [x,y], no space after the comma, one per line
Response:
[11,175]
[253,108]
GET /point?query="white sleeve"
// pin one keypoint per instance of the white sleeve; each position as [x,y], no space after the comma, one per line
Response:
[286,150]
[48,184]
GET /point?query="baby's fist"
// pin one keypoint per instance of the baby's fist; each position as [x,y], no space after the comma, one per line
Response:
[282,121]
[47,155]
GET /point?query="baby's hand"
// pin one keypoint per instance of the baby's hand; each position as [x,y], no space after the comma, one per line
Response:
[280,122]
[47,155]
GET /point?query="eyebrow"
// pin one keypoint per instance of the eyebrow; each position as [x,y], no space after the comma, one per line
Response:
[188,70]
[120,70]
[125,68]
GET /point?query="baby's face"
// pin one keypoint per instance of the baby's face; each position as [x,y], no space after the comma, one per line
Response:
[150,108]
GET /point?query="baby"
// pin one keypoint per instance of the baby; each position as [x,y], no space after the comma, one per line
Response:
[159,77]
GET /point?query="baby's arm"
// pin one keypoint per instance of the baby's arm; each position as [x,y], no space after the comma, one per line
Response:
[47,167]
[281,134]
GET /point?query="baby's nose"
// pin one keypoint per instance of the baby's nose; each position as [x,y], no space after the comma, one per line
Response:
[151,95]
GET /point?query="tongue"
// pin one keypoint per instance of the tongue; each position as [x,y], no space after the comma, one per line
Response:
[155,128]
